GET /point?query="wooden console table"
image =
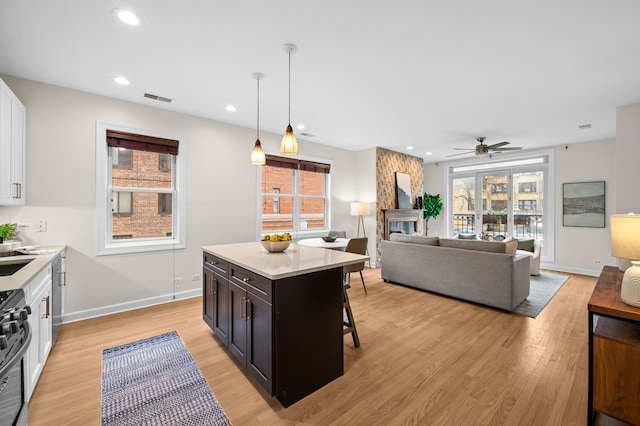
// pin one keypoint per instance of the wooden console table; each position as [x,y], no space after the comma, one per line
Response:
[614,352]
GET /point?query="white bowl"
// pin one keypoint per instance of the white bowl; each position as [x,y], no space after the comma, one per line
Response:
[275,246]
[9,245]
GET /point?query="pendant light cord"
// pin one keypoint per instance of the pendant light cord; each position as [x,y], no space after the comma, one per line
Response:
[289,86]
[258,111]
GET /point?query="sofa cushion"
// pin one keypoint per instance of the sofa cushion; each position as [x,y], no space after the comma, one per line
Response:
[479,245]
[415,239]
[527,245]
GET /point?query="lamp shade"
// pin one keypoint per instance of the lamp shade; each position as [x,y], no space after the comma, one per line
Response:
[625,236]
[360,209]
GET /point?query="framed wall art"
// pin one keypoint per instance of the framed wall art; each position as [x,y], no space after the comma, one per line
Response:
[403,191]
[583,204]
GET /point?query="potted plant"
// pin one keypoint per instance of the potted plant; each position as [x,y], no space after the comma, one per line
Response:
[432,205]
[8,232]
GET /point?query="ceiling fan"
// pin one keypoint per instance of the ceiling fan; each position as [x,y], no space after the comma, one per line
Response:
[482,149]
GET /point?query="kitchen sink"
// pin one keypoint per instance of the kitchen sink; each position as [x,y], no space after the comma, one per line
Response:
[12,266]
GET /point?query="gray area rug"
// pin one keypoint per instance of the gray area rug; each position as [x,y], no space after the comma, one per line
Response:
[542,289]
[155,381]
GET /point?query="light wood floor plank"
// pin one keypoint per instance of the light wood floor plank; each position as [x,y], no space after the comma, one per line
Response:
[425,359]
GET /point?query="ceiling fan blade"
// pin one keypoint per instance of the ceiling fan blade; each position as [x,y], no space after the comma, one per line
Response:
[465,149]
[461,153]
[511,148]
[498,145]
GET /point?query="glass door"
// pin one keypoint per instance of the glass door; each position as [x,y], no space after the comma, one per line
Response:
[464,205]
[495,210]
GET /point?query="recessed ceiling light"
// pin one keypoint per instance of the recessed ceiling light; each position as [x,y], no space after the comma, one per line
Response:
[230,108]
[127,16]
[409,148]
[428,153]
[121,80]
[300,126]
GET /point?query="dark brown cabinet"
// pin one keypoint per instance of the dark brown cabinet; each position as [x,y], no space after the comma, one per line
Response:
[287,333]
[215,297]
[614,352]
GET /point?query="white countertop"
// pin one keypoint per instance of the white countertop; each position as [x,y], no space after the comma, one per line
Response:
[24,275]
[296,260]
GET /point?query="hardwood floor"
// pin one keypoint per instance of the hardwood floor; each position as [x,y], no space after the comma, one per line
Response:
[424,359]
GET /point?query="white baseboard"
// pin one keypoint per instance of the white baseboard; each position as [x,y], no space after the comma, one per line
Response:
[129,306]
[570,270]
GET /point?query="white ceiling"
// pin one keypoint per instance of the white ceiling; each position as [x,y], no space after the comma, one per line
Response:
[431,74]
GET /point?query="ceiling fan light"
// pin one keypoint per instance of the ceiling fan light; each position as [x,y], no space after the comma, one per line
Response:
[289,144]
[257,154]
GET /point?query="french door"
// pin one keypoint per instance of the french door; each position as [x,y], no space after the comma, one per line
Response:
[498,204]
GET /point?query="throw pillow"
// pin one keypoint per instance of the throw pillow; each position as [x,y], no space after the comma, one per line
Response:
[467,237]
[510,246]
[527,245]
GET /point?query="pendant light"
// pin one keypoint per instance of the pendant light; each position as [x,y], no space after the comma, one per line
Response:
[257,154]
[289,145]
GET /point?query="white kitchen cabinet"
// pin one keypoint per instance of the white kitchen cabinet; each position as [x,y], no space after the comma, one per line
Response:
[13,130]
[38,296]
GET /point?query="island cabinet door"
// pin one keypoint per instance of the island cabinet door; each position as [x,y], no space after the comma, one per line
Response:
[221,308]
[238,323]
[207,297]
[259,338]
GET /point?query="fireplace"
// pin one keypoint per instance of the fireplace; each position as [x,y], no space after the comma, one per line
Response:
[405,221]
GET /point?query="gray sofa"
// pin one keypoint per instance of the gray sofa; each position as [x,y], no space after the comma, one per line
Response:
[485,272]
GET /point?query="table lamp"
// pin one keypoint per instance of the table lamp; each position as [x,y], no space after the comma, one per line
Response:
[625,243]
[360,209]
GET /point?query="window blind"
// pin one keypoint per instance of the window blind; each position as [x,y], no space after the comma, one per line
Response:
[141,142]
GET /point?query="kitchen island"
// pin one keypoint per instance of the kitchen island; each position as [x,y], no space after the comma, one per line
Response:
[280,314]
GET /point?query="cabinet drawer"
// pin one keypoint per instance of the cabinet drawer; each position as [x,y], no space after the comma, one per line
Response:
[216,264]
[252,282]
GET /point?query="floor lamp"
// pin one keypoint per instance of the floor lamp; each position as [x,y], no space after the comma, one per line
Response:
[360,209]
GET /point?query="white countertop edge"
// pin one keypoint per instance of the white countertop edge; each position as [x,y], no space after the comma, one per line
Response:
[21,278]
[296,260]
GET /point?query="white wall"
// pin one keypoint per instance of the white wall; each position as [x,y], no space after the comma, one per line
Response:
[627,195]
[575,249]
[221,193]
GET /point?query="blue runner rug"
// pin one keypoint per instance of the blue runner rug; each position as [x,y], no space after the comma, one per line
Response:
[155,381]
[542,289]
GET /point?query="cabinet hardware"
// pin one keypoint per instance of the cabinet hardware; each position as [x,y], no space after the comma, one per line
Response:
[46,314]
[246,309]
[243,303]
[246,279]
[213,285]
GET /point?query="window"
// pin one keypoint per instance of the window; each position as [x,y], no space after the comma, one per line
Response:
[123,158]
[121,203]
[294,195]
[139,182]
[527,187]
[164,204]
[516,196]
[499,188]
[164,162]
[528,205]
[276,201]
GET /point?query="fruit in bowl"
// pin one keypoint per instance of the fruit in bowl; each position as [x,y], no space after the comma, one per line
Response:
[329,239]
[276,243]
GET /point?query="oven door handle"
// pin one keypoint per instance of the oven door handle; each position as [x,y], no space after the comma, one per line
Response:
[18,355]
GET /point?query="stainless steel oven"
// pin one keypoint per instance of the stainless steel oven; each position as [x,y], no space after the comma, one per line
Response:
[15,336]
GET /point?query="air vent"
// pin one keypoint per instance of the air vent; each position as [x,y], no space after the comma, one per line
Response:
[157,98]
[584,126]
[309,135]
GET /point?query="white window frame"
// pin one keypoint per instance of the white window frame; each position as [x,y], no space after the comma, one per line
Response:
[467,168]
[296,233]
[105,244]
